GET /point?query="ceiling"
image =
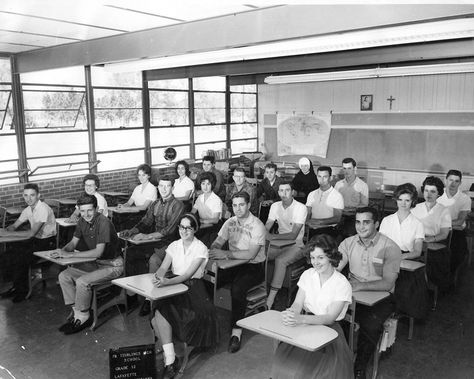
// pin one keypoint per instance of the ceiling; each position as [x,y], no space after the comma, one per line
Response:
[27,25]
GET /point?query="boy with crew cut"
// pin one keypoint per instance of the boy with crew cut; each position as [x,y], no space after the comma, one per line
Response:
[42,236]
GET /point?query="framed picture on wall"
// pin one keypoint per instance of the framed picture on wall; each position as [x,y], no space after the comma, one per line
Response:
[366,102]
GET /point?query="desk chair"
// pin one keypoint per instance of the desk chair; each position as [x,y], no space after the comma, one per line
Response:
[55,205]
[38,274]
[470,238]
[387,338]
[103,298]
[434,247]
[3,217]
[257,296]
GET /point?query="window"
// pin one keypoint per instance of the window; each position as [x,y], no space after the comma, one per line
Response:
[119,134]
[8,144]
[55,120]
[169,118]
[243,118]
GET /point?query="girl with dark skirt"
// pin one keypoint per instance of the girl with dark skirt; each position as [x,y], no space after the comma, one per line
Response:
[324,294]
[190,317]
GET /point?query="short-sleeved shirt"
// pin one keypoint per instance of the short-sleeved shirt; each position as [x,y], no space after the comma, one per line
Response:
[41,214]
[250,189]
[207,208]
[323,203]
[458,203]
[318,298]
[438,217]
[142,194]
[286,218]
[101,204]
[403,234]
[368,263]
[182,185]
[355,194]
[181,259]
[99,230]
[241,234]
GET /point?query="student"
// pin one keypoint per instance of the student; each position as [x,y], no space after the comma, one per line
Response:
[459,205]
[324,294]
[161,218]
[290,216]
[145,193]
[411,292]
[94,237]
[267,190]
[305,180]
[436,221]
[355,193]
[209,165]
[208,206]
[374,264]
[183,187]
[403,227]
[41,237]
[188,318]
[324,205]
[241,185]
[245,234]
[91,185]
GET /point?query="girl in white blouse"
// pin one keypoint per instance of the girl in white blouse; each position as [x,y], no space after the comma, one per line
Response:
[189,317]
[325,294]
[145,193]
[183,186]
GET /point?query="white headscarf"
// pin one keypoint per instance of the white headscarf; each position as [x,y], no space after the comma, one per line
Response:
[303,161]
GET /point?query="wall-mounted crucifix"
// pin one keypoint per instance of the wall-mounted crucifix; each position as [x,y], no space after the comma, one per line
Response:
[391,98]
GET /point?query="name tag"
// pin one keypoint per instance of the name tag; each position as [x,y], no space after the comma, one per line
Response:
[377,260]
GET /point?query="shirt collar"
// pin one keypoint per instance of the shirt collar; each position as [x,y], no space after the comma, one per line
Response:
[164,201]
[372,242]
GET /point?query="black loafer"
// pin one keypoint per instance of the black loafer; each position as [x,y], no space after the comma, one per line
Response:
[171,370]
[77,326]
[68,322]
[9,293]
[234,344]
[145,309]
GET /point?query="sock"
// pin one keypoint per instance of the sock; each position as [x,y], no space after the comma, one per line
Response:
[271,297]
[237,332]
[168,350]
[82,316]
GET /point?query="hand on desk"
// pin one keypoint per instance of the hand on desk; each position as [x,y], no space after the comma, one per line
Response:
[291,318]
[159,282]
[266,203]
[142,237]
[356,285]
[218,254]
[59,253]
[127,233]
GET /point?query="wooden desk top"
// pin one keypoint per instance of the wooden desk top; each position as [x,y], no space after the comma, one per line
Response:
[125,209]
[143,286]
[281,243]
[62,261]
[315,227]
[140,242]
[409,265]
[67,201]
[16,236]
[369,298]
[112,193]
[14,211]
[224,264]
[307,337]
[62,222]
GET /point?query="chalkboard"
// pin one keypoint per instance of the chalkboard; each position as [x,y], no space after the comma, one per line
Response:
[137,362]
[412,150]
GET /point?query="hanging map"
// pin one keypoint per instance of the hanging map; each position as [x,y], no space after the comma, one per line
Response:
[305,133]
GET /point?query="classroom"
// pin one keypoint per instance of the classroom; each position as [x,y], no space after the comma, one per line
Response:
[225,190]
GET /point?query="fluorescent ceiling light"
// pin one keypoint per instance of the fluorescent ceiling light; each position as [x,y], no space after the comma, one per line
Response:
[434,69]
[385,36]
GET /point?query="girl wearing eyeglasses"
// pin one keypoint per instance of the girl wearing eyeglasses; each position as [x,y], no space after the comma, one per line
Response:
[189,317]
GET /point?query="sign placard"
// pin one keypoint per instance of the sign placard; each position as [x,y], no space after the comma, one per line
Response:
[137,362]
